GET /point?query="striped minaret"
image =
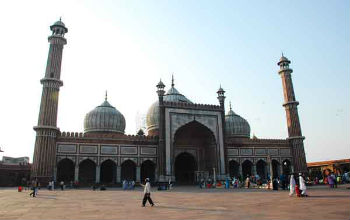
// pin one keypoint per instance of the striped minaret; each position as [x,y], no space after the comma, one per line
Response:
[295,138]
[46,131]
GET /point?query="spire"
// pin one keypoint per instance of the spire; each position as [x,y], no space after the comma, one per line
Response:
[172,80]
[106,96]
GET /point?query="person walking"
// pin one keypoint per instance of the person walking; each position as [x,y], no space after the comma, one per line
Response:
[291,185]
[34,188]
[147,193]
[132,184]
[227,183]
[247,182]
[53,185]
[302,185]
[330,181]
[275,184]
[125,185]
[334,177]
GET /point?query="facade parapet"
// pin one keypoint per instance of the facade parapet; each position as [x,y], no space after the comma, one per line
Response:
[246,141]
[192,106]
[111,136]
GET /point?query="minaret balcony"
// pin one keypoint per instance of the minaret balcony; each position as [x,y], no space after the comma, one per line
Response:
[291,103]
[51,82]
[286,70]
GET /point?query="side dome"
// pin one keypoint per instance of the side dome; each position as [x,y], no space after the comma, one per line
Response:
[236,126]
[152,118]
[104,118]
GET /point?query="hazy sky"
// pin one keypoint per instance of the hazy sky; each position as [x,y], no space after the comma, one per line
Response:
[125,47]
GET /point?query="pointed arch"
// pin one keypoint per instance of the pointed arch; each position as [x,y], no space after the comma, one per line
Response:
[234,168]
[148,170]
[261,169]
[65,170]
[108,171]
[128,170]
[247,168]
[87,171]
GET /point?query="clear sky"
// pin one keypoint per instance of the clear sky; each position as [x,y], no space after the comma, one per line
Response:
[125,47]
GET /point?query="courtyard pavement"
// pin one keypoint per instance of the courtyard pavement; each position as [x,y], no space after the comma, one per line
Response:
[179,203]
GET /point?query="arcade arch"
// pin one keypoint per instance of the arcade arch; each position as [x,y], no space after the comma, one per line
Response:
[148,170]
[108,172]
[234,168]
[128,170]
[65,170]
[247,168]
[87,172]
[261,169]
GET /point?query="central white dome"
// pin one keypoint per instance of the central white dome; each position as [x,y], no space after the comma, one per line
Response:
[152,119]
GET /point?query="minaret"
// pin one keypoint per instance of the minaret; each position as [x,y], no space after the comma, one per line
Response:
[295,138]
[221,97]
[45,144]
[161,131]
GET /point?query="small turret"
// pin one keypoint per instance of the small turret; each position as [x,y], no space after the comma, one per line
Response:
[221,97]
[58,28]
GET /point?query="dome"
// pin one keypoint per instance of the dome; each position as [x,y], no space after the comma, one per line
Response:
[283,59]
[104,118]
[175,96]
[152,118]
[59,23]
[236,126]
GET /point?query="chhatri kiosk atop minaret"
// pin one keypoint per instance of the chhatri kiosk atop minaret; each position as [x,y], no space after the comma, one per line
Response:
[185,141]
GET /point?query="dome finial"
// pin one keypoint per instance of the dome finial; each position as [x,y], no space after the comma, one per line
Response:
[230,106]
[172,80]
[106,96]
[60,18]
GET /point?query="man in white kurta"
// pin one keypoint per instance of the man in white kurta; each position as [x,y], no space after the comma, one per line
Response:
[291,185]
[302,185]
[147,193]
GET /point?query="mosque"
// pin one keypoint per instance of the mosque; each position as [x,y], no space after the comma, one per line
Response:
[185,141]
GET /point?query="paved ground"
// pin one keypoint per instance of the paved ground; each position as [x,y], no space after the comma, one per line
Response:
[181,202]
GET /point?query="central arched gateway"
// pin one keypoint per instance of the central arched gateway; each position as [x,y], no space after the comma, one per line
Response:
[185,166]
[194,150]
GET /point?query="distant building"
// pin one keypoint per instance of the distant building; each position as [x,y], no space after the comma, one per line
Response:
[14,171]
[15,160]
[323,168]
[185,141]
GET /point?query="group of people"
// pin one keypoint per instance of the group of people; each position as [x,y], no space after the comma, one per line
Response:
[51,185]
[128,184]
[297,185]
